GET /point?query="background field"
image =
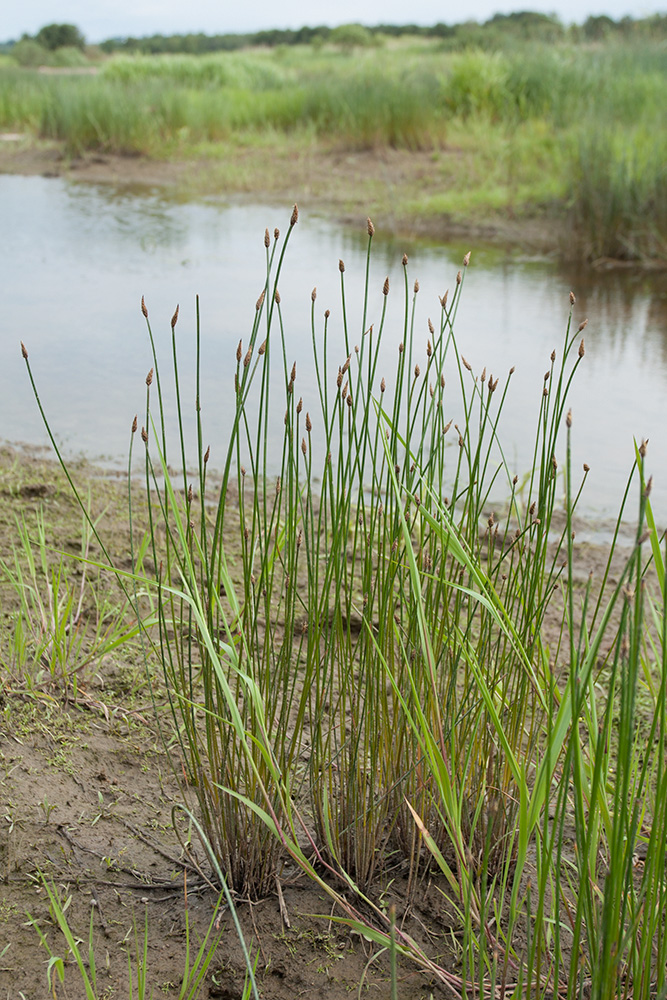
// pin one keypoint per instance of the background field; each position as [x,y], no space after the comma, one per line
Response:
[561,130]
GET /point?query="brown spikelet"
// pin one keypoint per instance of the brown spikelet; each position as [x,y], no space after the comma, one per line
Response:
[466,364]
[482,377]
[294,217]
[416,287]
[276,297]
[267,239]
[554,463]
[144,435]
[304,446]
[347,364]
[582,326]
[262,348]
[239,351]
[174,318]
[313,294]
[553,356]
[404,260]
[443,299]
[299,405]
[401,347]
[572,298]
[568,419]
[143,307]
[370,228]
[446,427]
[383,385]
[339,377]
[582,348]
[546,376]
[587,467]
[349,402]
[134,424]
[260,301]
[207,455]
[532,508]
[276,234]
[459,277]
[341,266]
[246,360]
[429,349]
[309,423]
[149,377]
[442,380]
[385,287]
[344,392]
[512,370]
[327,313]
[466,259]
[642,447]
[417,371]
[431,328]
[24,352]
[292,377]
[190,493]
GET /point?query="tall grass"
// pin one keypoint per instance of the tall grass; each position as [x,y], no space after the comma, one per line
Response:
[373,667]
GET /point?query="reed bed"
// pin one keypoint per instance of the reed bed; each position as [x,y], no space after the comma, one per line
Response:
[603,105]
[373,669]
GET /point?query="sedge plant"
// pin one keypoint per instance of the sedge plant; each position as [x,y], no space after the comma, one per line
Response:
[373,663]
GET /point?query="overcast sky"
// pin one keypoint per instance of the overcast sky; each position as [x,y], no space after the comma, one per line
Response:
[102,19]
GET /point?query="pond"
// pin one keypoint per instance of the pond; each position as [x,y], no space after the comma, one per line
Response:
[76,260]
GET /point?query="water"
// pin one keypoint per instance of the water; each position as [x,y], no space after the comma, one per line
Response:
[76,259]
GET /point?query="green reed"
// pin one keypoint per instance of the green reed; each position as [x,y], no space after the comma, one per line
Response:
[372,665]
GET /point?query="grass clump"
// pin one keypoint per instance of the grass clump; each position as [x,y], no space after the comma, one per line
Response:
[389,671]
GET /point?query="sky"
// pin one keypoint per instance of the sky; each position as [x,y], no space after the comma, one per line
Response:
[101,19]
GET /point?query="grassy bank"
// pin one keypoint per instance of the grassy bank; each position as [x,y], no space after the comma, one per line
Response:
[575,131]
[387,676]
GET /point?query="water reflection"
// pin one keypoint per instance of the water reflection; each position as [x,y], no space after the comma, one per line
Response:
[76,260]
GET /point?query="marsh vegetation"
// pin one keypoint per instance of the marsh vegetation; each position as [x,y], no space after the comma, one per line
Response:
[567,130]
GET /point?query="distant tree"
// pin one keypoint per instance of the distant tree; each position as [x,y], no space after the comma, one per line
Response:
[351,36]
[529,25]
[28,52]
[57,36]
[596,28]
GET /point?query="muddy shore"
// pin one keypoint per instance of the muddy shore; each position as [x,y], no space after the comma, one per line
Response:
[347,185]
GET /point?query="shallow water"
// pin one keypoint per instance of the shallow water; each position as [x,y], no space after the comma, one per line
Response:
[76,259]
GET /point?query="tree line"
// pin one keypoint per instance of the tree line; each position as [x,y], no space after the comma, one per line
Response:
[496,31]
